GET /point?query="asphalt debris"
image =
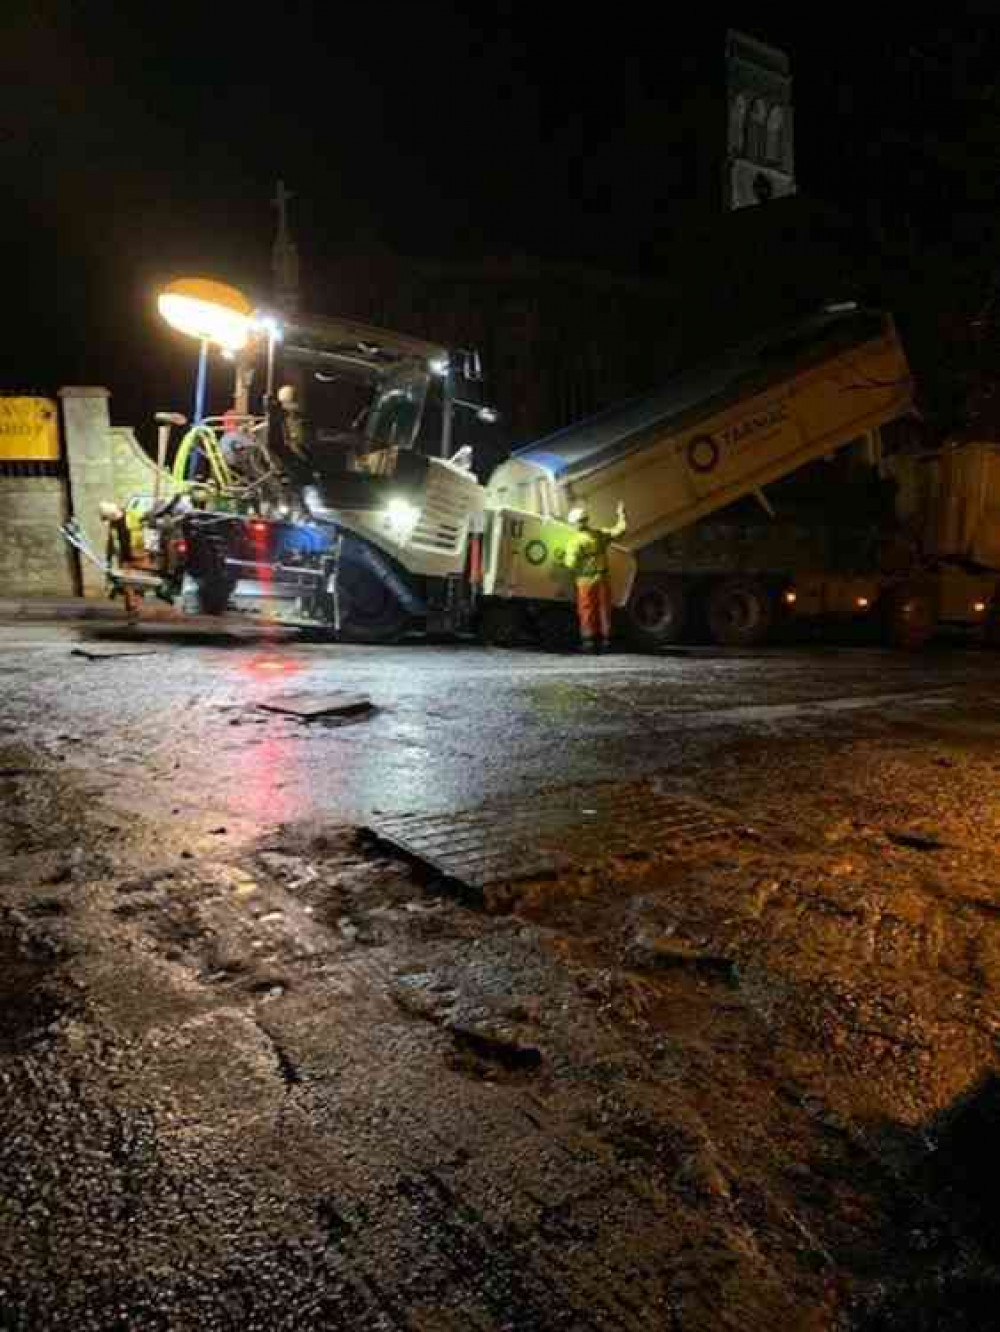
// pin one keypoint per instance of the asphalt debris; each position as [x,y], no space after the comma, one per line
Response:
[112,651]
[916,841]
[319,706]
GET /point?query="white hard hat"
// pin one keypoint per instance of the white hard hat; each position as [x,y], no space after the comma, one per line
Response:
[286,394]
[577,515]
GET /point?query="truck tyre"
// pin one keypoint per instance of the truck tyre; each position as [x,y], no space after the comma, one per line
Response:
[656,614]
[908,616]
[370,612]
[214,582]
[213,595]
[558,630]
[740,612]
[502,624]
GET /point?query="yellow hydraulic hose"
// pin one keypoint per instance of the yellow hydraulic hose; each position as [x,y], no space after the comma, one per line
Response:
[204,437]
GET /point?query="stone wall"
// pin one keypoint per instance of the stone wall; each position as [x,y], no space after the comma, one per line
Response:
[105,463]
[34,559]
[133,472]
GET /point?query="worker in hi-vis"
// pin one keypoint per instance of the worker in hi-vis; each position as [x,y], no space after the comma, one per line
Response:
[587,558]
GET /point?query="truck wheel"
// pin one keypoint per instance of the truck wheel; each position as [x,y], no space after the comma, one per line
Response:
[213,595]
[740,613]
[558,630]
[909,618]
[369,611]
[214,582]
[657,612]
[502,624]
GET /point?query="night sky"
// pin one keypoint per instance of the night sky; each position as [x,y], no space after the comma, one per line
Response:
[144,144]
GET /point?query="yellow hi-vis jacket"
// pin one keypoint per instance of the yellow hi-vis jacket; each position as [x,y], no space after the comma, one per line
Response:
[587,552]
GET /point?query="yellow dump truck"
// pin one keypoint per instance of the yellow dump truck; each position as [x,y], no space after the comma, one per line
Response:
[713,467]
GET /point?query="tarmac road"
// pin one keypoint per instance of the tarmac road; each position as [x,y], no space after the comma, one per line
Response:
[257,1074]
[454,726]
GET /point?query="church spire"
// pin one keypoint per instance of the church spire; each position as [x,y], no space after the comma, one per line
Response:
[284,256]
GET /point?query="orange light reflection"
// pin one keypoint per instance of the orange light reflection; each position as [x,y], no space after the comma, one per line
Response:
[260,665]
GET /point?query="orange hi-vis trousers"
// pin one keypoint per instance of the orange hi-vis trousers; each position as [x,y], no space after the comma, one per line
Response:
[593,609]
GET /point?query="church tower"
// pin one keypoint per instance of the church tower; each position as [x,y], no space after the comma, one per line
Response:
[760,157]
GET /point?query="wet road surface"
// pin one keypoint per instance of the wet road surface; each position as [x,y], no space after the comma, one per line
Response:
[256,1073]
[454,726]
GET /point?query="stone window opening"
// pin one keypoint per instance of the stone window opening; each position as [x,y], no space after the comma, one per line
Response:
[757,138]
[738,124]
[776,135]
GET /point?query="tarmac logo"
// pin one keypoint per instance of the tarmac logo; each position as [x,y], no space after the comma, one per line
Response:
[703,454]
[536,552]
[705,451]
[774,415]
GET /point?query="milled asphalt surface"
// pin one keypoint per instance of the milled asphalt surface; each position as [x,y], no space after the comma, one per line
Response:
[255,1073]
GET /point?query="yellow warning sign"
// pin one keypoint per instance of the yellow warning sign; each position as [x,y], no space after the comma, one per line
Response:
[29,430]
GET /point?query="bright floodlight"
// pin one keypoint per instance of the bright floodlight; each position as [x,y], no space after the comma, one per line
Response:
[401,518]
[208,310]
[267,324]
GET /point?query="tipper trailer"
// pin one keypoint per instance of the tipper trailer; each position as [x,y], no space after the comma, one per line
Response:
[763,413]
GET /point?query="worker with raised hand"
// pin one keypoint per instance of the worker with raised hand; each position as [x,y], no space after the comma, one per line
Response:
[587,559]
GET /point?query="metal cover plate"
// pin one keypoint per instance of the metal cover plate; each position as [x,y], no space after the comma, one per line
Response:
[310,707]
[551,832]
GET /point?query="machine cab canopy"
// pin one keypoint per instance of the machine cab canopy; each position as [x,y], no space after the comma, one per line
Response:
[370,389]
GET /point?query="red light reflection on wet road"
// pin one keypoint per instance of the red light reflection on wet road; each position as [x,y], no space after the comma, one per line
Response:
[269,781]
[264,666]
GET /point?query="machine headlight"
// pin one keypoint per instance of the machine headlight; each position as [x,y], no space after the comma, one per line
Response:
[401,517]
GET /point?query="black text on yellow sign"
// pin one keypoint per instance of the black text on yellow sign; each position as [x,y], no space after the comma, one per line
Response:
[29,430]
